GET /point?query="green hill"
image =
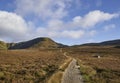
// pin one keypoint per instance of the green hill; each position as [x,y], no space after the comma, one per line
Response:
[44,42]
[3,45]
[113,43]
[37,43]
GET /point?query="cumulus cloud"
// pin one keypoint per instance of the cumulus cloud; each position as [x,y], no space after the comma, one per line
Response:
[55,24]
[12,26]
[46,9]
[43,8]
[86,22]
[73,34]
[92,18]
[52,12]
[50,20]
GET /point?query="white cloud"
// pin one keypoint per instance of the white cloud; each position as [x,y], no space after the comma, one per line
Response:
[76,28]
[73,34]
[92,18]
[43,8]
[56,24]
[12,26]
[53,12]
[87,21]
[46,9]
[109,27]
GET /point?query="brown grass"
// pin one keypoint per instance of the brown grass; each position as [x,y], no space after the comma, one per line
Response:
[37,66]
[65,64]
[107,67]
[28,66]
[57,76]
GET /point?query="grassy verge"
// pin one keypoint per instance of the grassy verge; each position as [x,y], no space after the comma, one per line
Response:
[87,72]
[96,74]
[65,64]
[56,77]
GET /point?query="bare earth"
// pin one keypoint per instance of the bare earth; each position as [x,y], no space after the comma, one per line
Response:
[72,74]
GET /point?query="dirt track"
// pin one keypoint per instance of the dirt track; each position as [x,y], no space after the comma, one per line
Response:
[72,73]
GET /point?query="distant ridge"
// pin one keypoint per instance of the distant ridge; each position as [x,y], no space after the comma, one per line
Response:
[105,43]
[44,42]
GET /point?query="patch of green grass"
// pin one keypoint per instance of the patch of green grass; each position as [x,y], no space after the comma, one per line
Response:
[3,45]
[87,72]
[1,74]
[107,76]
[98,75]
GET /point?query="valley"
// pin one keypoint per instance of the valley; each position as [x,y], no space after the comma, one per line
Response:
[42,60]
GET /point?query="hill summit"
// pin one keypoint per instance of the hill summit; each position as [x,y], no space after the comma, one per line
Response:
[37,43]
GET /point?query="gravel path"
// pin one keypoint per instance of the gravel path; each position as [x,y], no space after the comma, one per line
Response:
[72,73]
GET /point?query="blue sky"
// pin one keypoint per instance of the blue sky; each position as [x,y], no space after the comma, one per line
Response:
[65,21]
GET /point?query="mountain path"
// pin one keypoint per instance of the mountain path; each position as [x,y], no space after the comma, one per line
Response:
[72,73]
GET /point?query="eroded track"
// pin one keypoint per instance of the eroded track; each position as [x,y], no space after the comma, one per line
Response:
[72,73]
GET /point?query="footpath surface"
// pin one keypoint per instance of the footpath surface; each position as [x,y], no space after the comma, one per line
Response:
[72,73]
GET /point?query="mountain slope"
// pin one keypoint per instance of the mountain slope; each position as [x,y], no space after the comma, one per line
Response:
[45,42]
[3,45]
[105,43]
[37,43]
[112,42]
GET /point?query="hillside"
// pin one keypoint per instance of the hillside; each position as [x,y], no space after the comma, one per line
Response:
[112,42]
[37,43]
[105,43]
[44,42]
[3,45]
